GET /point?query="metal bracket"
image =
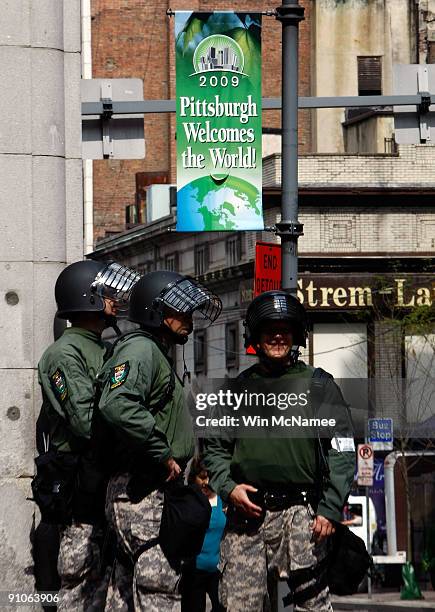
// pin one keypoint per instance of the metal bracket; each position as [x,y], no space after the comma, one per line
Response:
[289,228]
[107,101]
[423,107]
[130,107]
[290,13]
[425,103]
[268,13]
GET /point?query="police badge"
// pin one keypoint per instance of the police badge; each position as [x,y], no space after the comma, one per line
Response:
[118,375]
[58,384]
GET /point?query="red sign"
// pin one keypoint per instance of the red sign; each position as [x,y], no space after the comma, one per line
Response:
[267,271]
[267,267]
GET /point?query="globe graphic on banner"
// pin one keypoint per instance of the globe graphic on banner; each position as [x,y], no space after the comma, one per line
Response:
[207,205]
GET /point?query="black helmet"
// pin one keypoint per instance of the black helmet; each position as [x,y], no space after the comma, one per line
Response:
[82,286]
[276,306]
[158,290]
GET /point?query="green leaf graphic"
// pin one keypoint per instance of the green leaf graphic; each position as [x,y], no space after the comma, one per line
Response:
[251,50]
[193,27]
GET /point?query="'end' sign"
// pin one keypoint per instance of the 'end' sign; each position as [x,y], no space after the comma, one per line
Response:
[267,267]
[267,271]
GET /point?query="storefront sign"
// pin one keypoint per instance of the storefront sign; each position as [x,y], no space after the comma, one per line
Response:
[341,291]
[218,92]
[344,291]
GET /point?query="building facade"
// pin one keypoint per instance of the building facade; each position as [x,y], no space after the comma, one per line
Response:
[367,219]
[345,48]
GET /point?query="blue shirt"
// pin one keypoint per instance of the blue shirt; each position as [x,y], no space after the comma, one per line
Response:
[208,558]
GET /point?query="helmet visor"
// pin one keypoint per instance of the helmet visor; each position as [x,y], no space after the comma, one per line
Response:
[115,282]
[187,296]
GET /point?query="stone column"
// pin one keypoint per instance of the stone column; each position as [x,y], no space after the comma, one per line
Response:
[41,229]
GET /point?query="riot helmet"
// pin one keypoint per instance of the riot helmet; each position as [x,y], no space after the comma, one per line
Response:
[157,292]
[83,285]
[276,306]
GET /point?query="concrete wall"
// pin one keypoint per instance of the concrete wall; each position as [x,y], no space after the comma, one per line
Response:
[411,168]
[41,229]
[368,136]
[344,30]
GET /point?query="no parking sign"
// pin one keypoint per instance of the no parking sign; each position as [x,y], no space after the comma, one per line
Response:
[365,465]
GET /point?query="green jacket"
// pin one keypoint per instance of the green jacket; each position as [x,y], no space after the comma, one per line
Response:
[276,462]
[133,380]
[66,373]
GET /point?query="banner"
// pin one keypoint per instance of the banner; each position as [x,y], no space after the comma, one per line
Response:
[218,77]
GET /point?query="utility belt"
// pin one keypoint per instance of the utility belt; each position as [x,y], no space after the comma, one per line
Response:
[277,498]
[274,499]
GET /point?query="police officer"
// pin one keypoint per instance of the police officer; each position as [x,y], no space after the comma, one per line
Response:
[142,402]
[282,504]
[89,294]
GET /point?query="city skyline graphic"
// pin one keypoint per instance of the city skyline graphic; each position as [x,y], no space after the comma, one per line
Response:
[218,52]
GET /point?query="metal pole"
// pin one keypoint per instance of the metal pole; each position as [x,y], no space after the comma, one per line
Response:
[290,14]
[289,229]
[369,542]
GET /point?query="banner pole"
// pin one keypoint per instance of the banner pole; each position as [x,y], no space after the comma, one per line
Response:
[289,229]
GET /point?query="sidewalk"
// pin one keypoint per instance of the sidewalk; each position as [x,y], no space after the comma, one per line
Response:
[383,602]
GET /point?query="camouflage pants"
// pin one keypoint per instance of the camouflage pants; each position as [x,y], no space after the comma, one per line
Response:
[153,584]
[79,569]
[280,546]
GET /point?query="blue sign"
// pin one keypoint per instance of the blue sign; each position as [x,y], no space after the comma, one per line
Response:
[380,434]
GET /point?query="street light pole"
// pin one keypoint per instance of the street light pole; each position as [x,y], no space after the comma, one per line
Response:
[289,229]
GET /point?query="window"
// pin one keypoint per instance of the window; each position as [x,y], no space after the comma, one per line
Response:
[351,361]
[201,259]
[234,249]
[369,75]
[232,345]
[200,351]
[171,262]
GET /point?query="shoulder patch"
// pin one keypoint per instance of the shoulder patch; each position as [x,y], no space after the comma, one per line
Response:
[119,374]
[58,384]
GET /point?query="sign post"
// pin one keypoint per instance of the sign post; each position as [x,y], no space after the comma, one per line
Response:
[289,229]
[365,459]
